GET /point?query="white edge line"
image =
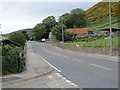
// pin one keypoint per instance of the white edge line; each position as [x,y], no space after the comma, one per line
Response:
[49,63]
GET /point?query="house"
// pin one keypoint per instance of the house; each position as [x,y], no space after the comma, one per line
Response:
[9,42]
[107,30]
[90,33]
[78,31]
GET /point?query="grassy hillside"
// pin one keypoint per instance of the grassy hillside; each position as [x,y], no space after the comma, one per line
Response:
[98,15]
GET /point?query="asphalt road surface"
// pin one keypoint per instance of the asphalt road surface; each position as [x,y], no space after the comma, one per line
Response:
[84,70]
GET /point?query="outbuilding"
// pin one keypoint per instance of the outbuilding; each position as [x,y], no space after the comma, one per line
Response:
[78,31]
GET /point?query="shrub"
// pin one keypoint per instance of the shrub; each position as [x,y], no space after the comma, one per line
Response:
[12,59]
[18,37]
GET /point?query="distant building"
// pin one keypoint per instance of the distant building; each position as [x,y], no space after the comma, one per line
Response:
[90,33]
[107,30]
[9,42]
[78,31]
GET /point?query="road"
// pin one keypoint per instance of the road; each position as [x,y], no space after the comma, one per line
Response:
[85,70]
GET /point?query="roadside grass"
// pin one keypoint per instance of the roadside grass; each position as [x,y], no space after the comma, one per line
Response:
[96,43]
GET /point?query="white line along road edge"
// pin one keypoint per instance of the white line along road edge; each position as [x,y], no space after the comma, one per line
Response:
[49,63]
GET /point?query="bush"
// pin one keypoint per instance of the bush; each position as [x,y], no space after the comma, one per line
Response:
[12,59]
[18,37]
[90,38]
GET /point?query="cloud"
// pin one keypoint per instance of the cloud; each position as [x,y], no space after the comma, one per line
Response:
[21,15]
[51,0]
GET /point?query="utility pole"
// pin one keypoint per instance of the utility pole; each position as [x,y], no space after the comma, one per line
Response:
[110,23]
[0,31]
[62,31]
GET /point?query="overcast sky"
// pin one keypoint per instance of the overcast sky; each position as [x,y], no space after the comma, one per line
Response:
[21,15]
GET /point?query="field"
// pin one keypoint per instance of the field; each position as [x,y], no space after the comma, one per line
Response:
[96,43]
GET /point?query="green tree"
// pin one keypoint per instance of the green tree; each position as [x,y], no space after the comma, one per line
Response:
[69,36]
[57,31]
[38,30]
[75,19]
[18,37]
[25,33]
[78,19]
[65,18]
[49,22]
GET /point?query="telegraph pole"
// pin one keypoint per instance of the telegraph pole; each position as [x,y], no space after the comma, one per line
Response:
[110,23]
[62,31]
[0,31]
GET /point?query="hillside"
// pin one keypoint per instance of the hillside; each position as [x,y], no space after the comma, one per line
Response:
[98,15]
[28,30]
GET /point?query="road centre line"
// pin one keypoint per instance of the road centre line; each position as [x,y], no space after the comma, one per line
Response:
[100,66]
[78,60]
[94,56]
[49,63]
[66,56]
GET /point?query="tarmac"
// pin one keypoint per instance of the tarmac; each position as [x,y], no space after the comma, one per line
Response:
[37,69]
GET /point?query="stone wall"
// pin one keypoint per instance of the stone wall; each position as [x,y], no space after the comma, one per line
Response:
[91,50]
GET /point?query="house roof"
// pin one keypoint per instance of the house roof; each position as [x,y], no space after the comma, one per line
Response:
[108,29]
[78,31]
[10,42]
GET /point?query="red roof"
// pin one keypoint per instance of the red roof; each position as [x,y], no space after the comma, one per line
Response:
[78,31]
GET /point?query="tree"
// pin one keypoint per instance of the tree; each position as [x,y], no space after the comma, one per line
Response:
[65,18]
[78,19]
[17,37]
[49,22]
[57,31]
[38,30]
[69,36]
[25,33]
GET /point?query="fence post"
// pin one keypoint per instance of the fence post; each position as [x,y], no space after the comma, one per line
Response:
[95,44]
[105,44]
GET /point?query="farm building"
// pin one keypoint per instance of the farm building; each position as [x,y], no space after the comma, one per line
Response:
[78,32]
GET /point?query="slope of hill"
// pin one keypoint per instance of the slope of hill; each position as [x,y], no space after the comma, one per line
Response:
[28,30]
[98,15]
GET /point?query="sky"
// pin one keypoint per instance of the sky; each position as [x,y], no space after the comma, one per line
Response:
[17,15]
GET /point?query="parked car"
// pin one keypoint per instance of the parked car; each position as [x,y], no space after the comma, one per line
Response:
[43,40]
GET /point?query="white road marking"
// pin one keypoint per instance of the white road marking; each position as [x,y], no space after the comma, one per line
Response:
[68,81]
[58,74]
[103,58]
[50,76]
[49,63]
[78,60]
[57,84]
[100,66]
[72,84]
[66,56]
[64,78]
